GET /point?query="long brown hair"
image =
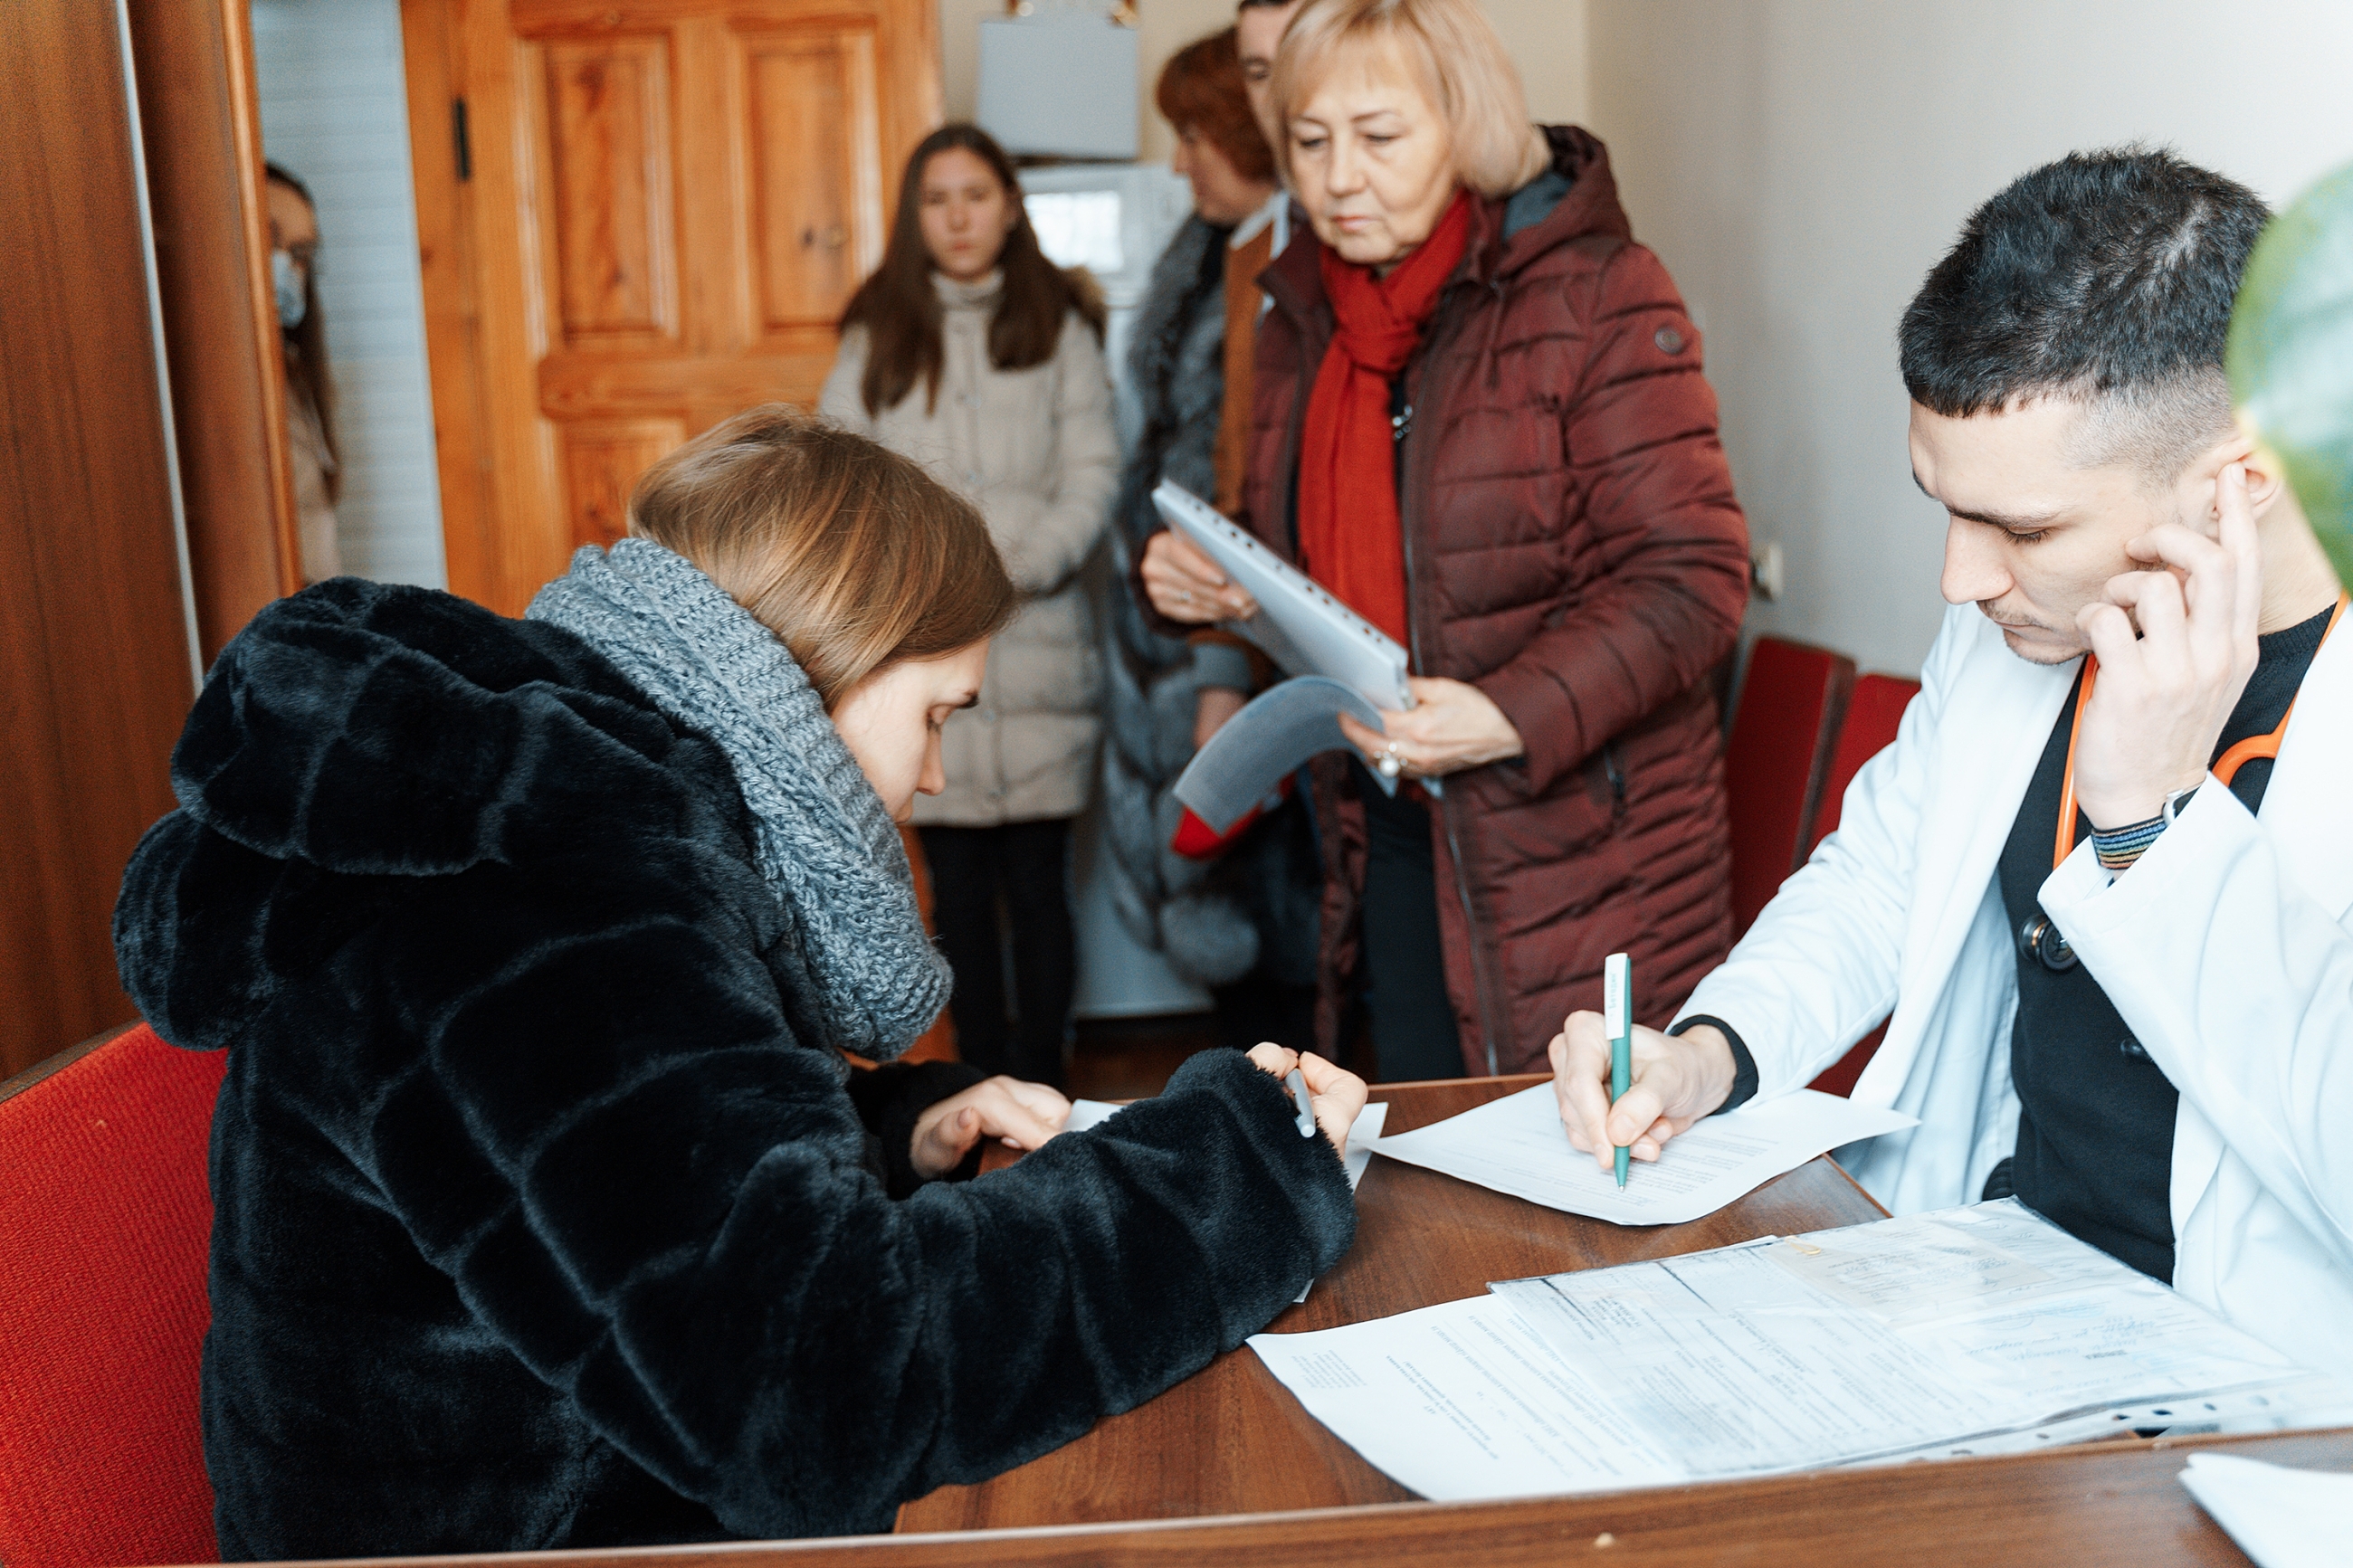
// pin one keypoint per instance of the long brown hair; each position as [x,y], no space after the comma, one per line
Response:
[901,310]
[852,555]
[306,348]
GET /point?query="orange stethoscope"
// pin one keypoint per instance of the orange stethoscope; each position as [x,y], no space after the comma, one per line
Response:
[2040,936]
[2226,767]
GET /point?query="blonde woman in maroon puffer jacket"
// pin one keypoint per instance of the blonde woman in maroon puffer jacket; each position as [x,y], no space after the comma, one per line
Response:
[1546,516]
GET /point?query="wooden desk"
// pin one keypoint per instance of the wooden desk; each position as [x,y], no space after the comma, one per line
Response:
[1231,1439]
[1230,1442]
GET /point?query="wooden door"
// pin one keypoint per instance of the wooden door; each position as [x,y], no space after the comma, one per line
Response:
[97,661]
[637,219]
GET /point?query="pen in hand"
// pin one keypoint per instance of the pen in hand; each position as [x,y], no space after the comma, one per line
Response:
[1298,1082]
[1617,1021]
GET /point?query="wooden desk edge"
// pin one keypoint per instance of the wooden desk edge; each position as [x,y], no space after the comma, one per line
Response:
[1421,1534]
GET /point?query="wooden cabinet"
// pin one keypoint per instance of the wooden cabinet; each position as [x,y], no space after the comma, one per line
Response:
[644,219]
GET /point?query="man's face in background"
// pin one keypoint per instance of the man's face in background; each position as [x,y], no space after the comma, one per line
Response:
[1258,32]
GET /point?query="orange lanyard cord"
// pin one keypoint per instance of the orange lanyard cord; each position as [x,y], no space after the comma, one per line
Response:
[2226,767]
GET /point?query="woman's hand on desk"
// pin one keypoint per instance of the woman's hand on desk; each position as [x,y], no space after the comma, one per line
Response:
[1186,585]
[1024,1115]
[1678,1080]
[1334,1093]
[1452,726]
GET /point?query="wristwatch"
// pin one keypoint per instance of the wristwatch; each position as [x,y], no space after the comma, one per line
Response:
[2177,800]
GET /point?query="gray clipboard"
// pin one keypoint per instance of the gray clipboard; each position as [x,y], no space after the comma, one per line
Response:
[1299,624]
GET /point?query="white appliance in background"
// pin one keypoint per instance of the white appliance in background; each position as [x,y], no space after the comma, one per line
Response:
[1114,220]
[1060,83]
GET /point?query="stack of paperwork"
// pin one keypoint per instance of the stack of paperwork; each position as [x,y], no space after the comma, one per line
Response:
[1979,1330]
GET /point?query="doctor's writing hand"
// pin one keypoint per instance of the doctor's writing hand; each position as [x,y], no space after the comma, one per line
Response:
[1334,1093]
[2161,700]
[1452,726]
[1185,585]
[1678,1080]
[1025,1115]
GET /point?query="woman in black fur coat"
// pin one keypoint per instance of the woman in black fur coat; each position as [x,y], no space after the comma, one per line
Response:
[549,1210]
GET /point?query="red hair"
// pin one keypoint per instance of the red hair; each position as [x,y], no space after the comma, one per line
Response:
[1202,87]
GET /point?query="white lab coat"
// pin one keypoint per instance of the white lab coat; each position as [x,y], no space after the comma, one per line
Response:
[2223,949]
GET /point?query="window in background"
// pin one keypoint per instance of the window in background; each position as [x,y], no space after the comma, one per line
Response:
[1079,229]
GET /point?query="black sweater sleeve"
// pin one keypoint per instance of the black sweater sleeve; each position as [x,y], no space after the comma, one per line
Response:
[665,1212]
[890,1099]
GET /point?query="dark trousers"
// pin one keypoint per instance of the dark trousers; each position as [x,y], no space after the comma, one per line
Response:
[1400,956]
[1019,869]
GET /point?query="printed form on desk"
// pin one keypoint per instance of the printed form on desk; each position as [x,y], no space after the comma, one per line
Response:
[1516,1146]
[1970,1330]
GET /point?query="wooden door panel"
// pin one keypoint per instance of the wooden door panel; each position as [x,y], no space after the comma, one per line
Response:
[602,461]
[810,130]
[581,386]
[606,171]
[666,205]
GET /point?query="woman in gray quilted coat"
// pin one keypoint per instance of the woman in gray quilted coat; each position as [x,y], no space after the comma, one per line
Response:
[972,353]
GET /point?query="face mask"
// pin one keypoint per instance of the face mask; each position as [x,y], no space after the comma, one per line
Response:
[288,280]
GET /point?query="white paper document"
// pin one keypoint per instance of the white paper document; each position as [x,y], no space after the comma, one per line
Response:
[1516,1146]
[2280,1517]
[1362,1137]
[1982,1330]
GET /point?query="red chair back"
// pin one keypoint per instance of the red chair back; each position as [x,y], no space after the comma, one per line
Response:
[1872,717]
[1873,714]
[1792,701]
[108,1224]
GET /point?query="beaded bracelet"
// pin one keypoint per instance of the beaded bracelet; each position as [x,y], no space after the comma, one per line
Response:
[2119,849]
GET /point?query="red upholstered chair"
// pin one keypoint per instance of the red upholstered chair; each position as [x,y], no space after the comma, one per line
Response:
[1792,701]
[1872,716]
[105,1227]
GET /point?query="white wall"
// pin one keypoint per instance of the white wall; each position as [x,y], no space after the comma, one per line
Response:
[1547,37]
[1801,163]
[334,111]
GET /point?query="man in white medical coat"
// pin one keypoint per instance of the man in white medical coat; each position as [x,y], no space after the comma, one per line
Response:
[2137,1019]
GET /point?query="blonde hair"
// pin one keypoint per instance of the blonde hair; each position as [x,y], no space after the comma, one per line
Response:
[852,555]
[1465,66]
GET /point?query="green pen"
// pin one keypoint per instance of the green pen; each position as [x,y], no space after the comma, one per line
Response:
[1618,1018]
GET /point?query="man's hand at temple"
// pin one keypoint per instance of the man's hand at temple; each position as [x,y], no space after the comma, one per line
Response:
[2162,697]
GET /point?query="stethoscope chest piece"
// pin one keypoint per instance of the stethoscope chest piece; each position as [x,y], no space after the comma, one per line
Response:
[2042,939]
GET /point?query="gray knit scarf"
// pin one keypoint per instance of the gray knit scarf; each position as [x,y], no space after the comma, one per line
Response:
[858,972]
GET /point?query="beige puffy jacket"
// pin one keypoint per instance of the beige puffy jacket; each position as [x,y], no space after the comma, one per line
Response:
[1035,450]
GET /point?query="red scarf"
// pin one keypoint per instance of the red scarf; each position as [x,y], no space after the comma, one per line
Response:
[1350,537]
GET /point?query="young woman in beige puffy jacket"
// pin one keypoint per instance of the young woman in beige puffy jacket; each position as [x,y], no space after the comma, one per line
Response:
[972,353]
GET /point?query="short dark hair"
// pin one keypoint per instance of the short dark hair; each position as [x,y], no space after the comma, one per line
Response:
[2105,278]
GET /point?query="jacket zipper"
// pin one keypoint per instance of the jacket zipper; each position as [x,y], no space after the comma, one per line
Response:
[1449,804]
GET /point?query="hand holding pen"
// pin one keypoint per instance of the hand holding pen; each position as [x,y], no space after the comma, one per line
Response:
[1676,1080]
[1325,1097]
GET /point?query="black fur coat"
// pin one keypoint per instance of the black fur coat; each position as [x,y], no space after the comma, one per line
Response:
[534,1225]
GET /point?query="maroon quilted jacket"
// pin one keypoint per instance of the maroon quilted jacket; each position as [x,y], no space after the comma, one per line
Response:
[1573,550]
